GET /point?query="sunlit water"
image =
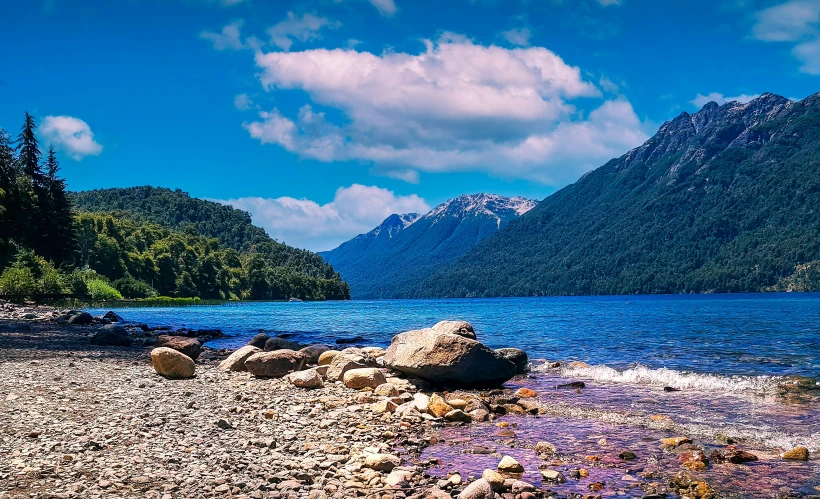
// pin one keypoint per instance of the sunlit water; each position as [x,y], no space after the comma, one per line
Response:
[731,357]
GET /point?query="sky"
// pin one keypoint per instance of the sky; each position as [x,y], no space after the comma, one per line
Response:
[323,117]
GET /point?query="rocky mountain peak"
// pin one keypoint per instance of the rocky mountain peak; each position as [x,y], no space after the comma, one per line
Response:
[483,204]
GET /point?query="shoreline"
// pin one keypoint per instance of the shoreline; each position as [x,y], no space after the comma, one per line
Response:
[80,420]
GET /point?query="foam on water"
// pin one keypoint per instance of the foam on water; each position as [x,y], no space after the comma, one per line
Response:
[663,377]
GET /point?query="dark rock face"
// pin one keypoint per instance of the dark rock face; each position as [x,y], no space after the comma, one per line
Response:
[112,316]
[273,344]
[80,318]
[111,335]
[188,346]
[447,359]
[259,340]
[275,364]
[516,356]
[350,341]
[312,352]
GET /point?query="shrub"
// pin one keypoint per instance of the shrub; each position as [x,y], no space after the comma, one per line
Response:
[134,288]
[18,281]
[102,291]
[74,282]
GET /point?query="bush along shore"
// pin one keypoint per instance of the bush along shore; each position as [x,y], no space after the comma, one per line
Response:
[98,407]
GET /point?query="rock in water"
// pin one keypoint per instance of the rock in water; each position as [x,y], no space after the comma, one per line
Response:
[111,335]
[368,377]
[510,465]
[112,316]
[274,364]
[189,346]
[447,359]
[313,352]
[516,356]
[236,361]
[461,328]
[480,489]
[259,340]
[796,454]
[172,364]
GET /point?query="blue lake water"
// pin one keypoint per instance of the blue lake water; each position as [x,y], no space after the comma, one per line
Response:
[730,357]
[725,334]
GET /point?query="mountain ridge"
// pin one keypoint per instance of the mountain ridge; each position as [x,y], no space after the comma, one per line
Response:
[377,266]
[721,200]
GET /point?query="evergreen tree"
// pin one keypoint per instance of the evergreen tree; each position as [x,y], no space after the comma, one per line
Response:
[57,212]
[29,151]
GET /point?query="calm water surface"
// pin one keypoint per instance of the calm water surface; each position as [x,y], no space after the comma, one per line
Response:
[729,355]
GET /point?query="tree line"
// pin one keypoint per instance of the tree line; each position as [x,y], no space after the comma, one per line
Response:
[48,246]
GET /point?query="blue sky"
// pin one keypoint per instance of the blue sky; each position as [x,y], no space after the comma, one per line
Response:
[322,117]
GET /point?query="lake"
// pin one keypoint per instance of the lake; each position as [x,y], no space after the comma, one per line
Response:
[730,359]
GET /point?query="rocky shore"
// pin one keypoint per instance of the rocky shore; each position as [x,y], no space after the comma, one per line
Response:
[84,413]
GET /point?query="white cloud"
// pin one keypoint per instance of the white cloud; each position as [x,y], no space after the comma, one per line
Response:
[307,224]
[385,7]
[456,106]
[701,100]
[242,102]
[296,28]
[517,36]
[71,135]
[796,22]
[228,39]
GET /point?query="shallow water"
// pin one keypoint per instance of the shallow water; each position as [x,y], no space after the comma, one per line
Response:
[729,355]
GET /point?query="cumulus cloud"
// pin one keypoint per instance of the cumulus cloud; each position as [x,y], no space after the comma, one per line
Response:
[517,36]
[307,224]
[299,28]
[796,22]
[701,100]
[456,106]
[227,39]
[242,102]
[71,135]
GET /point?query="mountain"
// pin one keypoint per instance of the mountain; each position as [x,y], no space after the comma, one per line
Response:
[722,200]
[406,248]
[284,268]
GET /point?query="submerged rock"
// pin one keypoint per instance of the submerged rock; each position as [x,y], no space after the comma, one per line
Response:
[447,359]
[796,454]
[510,465]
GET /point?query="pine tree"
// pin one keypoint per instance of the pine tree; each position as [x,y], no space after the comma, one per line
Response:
[57,211]
[29,151]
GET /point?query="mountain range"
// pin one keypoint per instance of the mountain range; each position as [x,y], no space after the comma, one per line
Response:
[722,200]
[393,257]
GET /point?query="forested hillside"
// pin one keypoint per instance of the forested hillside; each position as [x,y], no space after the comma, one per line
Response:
[154,241]
[723,200]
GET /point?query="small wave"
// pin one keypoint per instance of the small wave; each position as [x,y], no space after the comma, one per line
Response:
[663,377]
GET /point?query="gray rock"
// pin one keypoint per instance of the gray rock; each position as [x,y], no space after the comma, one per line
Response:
[111,335]
[347,359]
[447,359]
[274,364]
[80,318]
[259,340]
[189,346]
[480,489]
[461,328]
[236,361]
[313,352]
[274,344]
[172,363]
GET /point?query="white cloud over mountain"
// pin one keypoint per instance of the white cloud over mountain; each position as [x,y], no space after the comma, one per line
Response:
[796,22]
[307,224]
[701,100]
[456,106]
[70,135]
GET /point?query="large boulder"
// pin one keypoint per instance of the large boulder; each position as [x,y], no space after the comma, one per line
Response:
[189,346]
[236,360]
[80,318]
[274,344]
[172,363]
[111,335]
[313,352]
[326,358]
[309,378]
[368,377]
[347,359]
[461,328]
[447,359]
[516,356]
[275,364]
